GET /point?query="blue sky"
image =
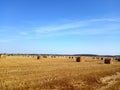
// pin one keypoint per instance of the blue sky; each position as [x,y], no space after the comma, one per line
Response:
[60,26]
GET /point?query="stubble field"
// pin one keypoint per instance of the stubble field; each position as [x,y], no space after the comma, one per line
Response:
[28,73]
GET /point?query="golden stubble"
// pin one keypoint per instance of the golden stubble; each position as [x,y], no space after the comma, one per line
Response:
[28,73]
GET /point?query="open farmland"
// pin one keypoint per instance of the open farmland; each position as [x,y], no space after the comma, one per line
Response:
[28,73]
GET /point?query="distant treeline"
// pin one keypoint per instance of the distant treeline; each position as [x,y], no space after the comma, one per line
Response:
[94,55]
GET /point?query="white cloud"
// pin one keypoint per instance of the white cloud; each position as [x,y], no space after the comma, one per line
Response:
[6,40]
[48,29]
[84,27]
[106,19]
[23,33]
[92,26]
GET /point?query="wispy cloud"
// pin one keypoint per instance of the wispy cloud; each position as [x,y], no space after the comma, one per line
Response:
[6,40]
[106,20]
[92,26]
[24,33]
[48,29]
[85,27]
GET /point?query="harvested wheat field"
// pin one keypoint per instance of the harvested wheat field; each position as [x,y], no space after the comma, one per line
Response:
[28,73]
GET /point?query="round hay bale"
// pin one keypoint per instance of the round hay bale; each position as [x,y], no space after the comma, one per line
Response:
[44,56]
[93,58]
[38,57]
[72,57]
[77,59]
[108,61]
[101,58]
[3,56]
[97,58]
[118,59]
[52,56]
